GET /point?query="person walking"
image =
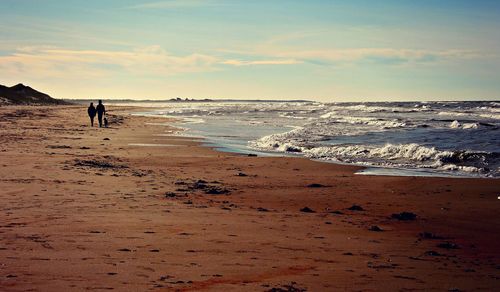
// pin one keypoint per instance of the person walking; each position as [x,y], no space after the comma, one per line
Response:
[101,110]
[91,111]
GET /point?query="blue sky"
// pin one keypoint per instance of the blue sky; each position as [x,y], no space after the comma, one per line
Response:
[322,50]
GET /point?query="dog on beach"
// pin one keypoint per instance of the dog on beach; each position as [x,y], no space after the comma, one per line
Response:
[105,122]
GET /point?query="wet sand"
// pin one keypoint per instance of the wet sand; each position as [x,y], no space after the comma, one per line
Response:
[94,209]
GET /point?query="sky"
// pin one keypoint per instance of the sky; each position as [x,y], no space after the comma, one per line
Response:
[356,50]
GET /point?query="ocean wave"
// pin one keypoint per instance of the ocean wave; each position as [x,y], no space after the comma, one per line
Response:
[193,120]
[379,109]
[491,116]
[480,113]
[384,124]
[389,152]
[292,115]
[334,116]
[410,155]
[457,125]
[459,114]
[454,167]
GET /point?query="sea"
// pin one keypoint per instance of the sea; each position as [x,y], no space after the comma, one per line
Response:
[459,139]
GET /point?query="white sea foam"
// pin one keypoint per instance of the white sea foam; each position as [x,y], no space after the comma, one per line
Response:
[384,124]
[491,116]
[193,120]
[480,113]
[367,108]
[448,113]
[404,152]
[457,125]
[410,155]
[453,167]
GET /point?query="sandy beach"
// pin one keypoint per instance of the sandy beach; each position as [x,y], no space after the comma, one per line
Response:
[135,208]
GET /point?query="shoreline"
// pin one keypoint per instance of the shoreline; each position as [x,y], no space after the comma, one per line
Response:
[102,214]
[369,169]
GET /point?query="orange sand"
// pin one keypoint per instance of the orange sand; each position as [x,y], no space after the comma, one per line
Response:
[83,213]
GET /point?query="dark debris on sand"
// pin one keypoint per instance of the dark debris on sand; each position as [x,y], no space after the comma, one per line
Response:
[375,228]
[433,253]
[404,216]
[215,190]
[141,173]
[355,208]
[292,287]
[307,210]
[448,245]
[98,163]
[429,235]
[315,185]
[59,147]
[115,119]
[173,195]
[204,186]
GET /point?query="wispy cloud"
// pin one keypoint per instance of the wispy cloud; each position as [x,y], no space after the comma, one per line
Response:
[380,56]
[57,62]
[174,4]
[152,61]
[235,62]
[155,61]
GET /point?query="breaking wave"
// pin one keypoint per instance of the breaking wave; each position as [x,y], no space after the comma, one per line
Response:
[410,155]
[457,125]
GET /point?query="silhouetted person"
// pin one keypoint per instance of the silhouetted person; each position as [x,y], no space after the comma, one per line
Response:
[100,112]
[91,111]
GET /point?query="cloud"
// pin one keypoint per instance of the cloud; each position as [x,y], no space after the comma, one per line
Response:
[174,4]
[58,62]
[152,61]
[386,56]
[380,56]
[261,62]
